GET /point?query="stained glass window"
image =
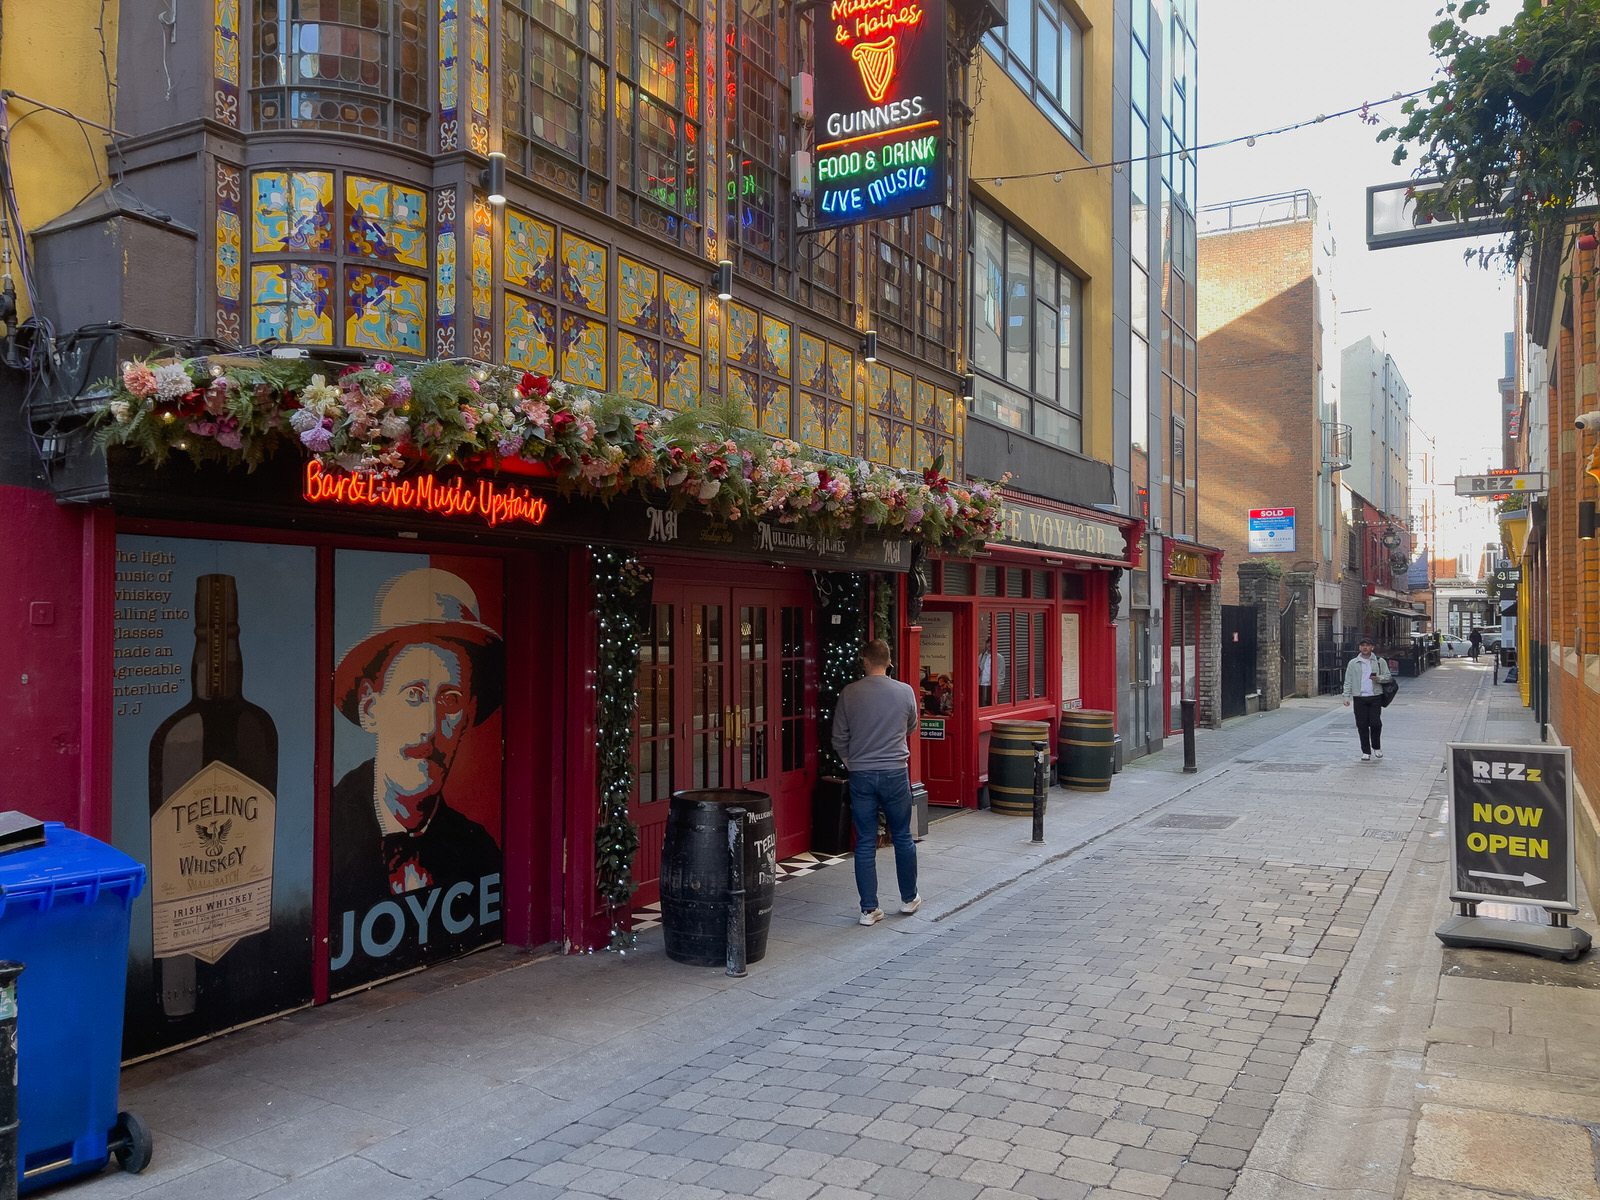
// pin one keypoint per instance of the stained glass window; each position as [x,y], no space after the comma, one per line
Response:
[354,66]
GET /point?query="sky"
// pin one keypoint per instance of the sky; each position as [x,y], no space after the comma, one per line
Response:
[1269,63]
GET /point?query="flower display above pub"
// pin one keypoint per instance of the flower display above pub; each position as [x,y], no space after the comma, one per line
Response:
[383,419]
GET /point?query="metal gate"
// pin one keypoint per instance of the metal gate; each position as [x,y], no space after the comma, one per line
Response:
[1286,648]
[1238,657]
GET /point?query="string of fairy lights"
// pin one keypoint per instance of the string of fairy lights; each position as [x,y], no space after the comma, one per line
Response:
[1183,153]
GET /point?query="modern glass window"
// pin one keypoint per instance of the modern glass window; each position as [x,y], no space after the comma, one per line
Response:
[1026,335]
[1041,47]
[352,66]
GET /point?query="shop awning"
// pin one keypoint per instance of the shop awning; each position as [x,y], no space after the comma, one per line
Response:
[1414,614]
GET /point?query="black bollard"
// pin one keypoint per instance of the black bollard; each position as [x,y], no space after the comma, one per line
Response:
[8,1079]
[1041,779]
[736,947]
[1188,738]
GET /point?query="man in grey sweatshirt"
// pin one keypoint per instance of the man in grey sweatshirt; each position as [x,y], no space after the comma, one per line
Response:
[872,728]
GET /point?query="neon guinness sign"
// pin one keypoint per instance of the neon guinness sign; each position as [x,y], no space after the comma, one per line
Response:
[427,495]
[881,109]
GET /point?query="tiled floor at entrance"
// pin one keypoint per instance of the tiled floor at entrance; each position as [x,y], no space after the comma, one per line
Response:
[648,916]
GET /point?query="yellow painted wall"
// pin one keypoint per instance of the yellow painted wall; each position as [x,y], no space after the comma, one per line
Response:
[1072,219]
[50,52]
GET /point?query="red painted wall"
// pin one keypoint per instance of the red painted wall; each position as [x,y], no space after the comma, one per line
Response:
[42,630]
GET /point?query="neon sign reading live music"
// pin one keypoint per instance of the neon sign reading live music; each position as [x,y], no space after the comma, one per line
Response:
[881,109]
[426,494]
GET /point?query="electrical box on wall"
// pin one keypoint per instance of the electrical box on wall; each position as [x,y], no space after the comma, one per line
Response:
[800,174]
[802,101]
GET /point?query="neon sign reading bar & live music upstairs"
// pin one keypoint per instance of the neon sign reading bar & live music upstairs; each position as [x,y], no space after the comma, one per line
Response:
[881,109]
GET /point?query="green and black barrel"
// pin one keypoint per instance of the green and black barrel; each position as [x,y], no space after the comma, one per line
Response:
[1083,749]
[1011,764]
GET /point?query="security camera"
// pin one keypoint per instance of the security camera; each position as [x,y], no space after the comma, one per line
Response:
[1588,420]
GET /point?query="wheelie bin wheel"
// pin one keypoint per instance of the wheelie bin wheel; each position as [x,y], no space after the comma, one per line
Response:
[131,1142]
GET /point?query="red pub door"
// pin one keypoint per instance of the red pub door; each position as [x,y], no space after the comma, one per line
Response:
[725,697]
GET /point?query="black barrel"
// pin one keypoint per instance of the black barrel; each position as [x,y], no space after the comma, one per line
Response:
[694,875]
[1011,764]
[1083,749]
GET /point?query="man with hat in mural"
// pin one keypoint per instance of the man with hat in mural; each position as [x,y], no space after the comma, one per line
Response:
[427,673]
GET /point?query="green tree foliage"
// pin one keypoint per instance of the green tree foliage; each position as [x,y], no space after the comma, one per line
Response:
[1513,124]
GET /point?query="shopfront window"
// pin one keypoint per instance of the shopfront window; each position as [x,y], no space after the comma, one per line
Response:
[1013,663]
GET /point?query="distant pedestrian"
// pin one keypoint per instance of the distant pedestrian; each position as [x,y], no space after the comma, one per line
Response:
[1476,638]
[872,728]
[1363,686]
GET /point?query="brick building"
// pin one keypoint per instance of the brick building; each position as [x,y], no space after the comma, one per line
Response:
[1269,439]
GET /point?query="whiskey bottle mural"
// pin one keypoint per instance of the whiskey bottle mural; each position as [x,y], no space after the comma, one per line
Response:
[213,816]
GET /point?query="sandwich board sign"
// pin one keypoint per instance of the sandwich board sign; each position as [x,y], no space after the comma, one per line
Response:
[1511,841]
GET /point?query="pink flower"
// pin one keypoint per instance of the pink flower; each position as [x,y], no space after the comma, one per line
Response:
[319,438]
[383,368]
[508,446]
[400,395]
[229,434]
[139,379]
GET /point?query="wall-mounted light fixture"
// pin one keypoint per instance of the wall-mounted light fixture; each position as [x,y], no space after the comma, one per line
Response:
[493,178]
[1587,520]
[869,347]
[1391,537]
[969,386]
[722,280]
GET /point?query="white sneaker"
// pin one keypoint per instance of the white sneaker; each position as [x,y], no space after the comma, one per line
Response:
[1364,758]
[1377,754]
[873,917]
[910,906]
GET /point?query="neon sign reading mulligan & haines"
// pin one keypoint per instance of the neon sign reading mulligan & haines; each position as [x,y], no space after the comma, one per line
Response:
[881,109]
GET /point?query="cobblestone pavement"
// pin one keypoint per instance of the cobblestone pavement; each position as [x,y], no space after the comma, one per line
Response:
[1116,1024]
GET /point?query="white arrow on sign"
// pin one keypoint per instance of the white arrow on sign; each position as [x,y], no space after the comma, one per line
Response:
[1526,879]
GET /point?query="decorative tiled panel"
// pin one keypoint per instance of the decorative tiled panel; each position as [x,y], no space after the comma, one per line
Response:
[714,346]
[775,347]
[682,311]
[449,76]
[385,221]
[530,253]
[811,361]
[444,276]
[810,424]
[583,273]
[225,62]
[291,211]
[898,401]
[841,429]
[482,277]
[682,387]
[774,408]
[530,335]
[292,302]
[638,368]
[924,403]
[638,294]
[478,94]
[744,389]
[947,447]
[230,254]
[742,326]
[384,310]
[841,372]
[583,351]
[944,414]
[924,455]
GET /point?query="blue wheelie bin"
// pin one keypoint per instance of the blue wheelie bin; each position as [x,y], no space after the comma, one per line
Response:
[65,902]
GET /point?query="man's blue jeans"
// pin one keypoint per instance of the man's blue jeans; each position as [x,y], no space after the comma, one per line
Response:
[890,791]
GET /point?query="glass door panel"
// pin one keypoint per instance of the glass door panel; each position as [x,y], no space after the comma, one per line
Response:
[707,691]
[754,727]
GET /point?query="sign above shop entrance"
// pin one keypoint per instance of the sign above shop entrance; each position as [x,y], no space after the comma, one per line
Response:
[428,494]
[1068,533]
[881,109]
